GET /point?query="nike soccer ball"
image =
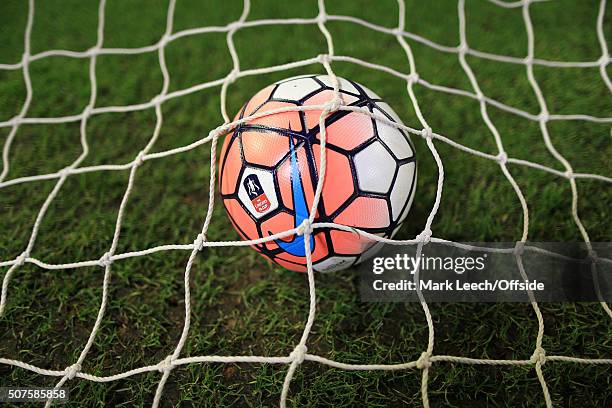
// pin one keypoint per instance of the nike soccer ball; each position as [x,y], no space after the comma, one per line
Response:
[269,169]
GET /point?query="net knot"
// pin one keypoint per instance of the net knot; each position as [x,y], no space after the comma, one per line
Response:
[198,243]
[462,48]
[166,364]
[157,100]
[139,159]
[544,116]
[73,370]
[20,260]
[502,158]
[105,260]
[163,41]
[93,51]
[64,172]
[538,356]
[427,133]
[592,255]
[215,133]
[519,248]
[424,236]
[333,105]
[234,25]
[568,174]
[321,18]
[324,58]
[231,77]
[604,60]
[423,361]
[87,111]
[299,353]
[397,31]
[413,78]
[305,228]
[528,60]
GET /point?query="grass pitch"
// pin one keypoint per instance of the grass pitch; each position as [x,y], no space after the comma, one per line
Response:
[241,304]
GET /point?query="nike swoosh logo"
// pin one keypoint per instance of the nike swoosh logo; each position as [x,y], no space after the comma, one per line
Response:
[296,245]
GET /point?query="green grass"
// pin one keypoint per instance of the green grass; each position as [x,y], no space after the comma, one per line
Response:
[241,304]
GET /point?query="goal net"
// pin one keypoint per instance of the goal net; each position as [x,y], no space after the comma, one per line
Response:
[422,129]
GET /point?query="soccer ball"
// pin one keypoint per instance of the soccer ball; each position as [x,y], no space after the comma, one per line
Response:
[269,168]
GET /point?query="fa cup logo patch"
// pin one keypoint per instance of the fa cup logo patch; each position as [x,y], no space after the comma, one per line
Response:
[256,193]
